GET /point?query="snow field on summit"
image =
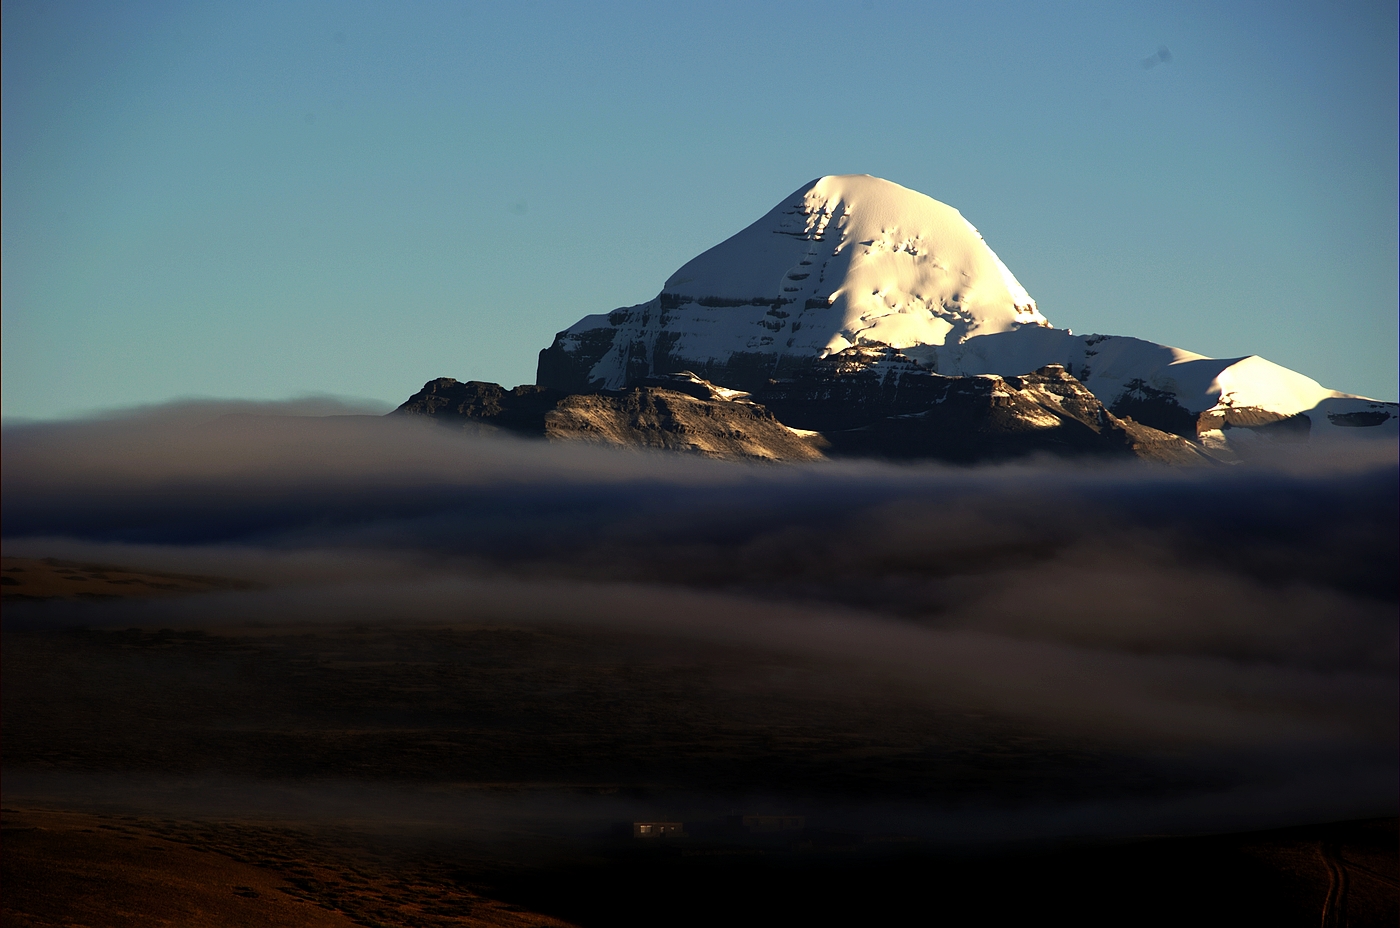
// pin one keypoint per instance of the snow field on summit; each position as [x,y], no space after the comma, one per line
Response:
[854,260]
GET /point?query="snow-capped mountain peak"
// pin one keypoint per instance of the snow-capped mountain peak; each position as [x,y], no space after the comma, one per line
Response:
[844,260]
[852,261]
[862,259]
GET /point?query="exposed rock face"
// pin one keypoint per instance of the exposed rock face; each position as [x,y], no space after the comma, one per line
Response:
[877,402]
[484,407]
[1294,428]
[1157,408]
[880,319]
[1363,419]
[652,417]
[697,418]
[849,263]
[1235,433]
[853,388]
[861,402]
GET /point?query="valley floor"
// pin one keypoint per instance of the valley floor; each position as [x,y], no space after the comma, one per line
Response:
[469,774]
[63,867]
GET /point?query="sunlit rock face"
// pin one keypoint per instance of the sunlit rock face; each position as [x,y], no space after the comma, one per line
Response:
[843,261]
[862,402]
[675,413]
[855,262]
[875,402]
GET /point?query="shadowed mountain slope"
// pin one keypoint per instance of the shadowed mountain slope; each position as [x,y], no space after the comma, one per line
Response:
[853,404]
[854,262]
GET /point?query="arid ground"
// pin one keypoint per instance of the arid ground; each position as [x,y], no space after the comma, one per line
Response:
[412,773]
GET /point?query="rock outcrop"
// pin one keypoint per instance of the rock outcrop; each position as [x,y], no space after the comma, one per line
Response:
[850,264]
[695,418]
[861,402]
[870,402]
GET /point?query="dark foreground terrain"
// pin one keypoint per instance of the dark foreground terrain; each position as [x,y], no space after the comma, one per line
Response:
[469,773]
[63,868]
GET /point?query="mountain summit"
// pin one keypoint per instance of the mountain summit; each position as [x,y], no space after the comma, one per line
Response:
[845,260]
[859,272]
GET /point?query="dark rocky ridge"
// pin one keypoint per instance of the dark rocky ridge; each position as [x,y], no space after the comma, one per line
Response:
[1157,408]
[484,407]
[1292,429]
[567,364]
[876,402]
[691,419]
[862,402]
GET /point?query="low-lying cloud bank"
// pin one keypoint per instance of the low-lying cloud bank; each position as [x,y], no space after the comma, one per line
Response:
[1245,617]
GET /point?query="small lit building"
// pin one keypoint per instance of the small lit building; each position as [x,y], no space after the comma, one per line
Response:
[658,829]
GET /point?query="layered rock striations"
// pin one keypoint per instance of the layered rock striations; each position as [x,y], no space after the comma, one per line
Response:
[842,261]
[878,403]
[1170,388]
[854,264]
[861,318]
[852,404]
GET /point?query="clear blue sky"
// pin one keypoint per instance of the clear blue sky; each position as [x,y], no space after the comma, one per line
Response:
[264,200]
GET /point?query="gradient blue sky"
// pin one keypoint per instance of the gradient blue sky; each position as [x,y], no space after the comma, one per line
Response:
[265,200]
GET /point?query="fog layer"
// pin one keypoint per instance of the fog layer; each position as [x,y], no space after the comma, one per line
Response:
[1243,618]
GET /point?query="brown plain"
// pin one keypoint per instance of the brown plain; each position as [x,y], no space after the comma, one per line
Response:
[403,707]
[68,868]
[25,578]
